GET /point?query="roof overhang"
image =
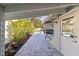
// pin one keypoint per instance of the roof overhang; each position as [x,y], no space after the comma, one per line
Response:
[13,11]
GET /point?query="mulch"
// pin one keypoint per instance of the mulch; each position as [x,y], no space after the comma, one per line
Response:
[12,48]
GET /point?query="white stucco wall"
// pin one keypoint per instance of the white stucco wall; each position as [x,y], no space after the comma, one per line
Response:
[68,45]
[54,38]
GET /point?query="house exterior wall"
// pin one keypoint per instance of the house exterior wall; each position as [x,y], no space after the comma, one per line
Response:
[68,45]
[61,43]
[66,42]
[54,38]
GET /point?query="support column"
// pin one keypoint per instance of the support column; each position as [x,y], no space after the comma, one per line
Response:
[2,32]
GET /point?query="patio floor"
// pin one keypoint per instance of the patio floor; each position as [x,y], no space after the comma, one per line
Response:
[37,45]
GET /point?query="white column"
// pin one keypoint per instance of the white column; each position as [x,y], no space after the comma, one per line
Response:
[2,32]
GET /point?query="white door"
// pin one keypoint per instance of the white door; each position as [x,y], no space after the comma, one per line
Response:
[70,36]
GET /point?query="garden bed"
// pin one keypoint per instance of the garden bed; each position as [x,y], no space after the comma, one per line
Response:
[12,48]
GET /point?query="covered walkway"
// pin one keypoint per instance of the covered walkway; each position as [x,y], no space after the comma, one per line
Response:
[37,45]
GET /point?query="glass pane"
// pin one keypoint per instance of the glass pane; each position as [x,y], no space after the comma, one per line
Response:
[68,27]
[49,31]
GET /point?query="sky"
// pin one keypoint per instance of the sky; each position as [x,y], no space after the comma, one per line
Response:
[42,18]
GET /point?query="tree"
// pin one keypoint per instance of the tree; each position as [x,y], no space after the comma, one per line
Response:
[20,29]
[37,22]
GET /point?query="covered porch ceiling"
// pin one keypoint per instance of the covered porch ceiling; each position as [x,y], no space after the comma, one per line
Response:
[23,10]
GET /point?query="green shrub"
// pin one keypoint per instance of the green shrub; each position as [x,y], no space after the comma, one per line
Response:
[19,29]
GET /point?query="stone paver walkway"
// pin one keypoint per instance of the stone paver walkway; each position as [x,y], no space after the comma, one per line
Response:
[37,45]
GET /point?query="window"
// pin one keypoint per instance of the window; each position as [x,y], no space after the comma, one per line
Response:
[49,31]
[68,27]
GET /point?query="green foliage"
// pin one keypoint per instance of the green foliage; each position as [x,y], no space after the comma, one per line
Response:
[37,22]
[20,29]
